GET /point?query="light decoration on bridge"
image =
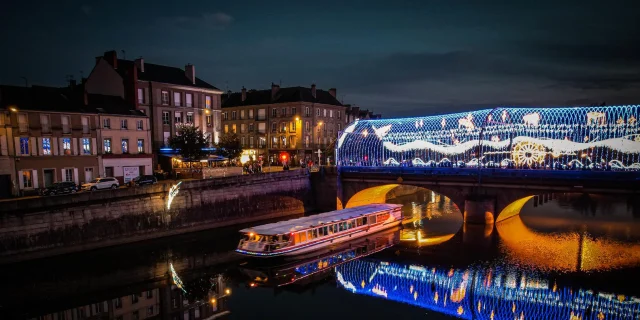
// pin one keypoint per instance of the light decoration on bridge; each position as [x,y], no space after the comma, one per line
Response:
[580,137]
[482,293]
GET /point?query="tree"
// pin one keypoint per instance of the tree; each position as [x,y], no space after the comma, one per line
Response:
[229,146]
[189,142]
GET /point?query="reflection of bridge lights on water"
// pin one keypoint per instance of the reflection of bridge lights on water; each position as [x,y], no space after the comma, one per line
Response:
[477,293]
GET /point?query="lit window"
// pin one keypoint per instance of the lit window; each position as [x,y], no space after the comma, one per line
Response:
[190,117]
[209,124]
[178,117]
[139,125]
[46,146]
[66,145]
[189,100]
[226,128]
[176,99]
[140,145]
[165,98]
[166,117]
[106,123]
[86,146]
[207,102]
[24,146]
[123,124]
[140,95]
[27,180]
[68,175]
[107,145]
[125,145]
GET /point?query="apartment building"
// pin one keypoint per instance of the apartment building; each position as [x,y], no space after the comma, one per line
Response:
[283,124]
[353,113]
[51,135]
[168,95]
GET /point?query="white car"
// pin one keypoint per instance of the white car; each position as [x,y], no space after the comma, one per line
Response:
[101,183]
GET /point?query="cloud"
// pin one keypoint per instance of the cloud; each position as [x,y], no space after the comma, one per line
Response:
[86,9]
[208,21]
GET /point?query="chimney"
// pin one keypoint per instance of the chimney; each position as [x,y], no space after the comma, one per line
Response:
[140,64]
[274,90]
[313,90]
[112,58]
[190,70]
[332,91]
[244,94]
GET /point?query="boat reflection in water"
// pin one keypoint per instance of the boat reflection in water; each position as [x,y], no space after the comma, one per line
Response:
[315,266]
[481,293]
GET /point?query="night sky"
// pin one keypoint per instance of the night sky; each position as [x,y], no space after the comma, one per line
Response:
[398,57]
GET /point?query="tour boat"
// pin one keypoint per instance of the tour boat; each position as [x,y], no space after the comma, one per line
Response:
[306,234]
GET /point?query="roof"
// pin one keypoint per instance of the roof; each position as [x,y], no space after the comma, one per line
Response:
[163,74]
[293,225]
[53,99]
[283,95]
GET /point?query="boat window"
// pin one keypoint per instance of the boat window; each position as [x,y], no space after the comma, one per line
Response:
[340,226]
[303,236]
[364,220]
[321,231]
[309,234]
[359,222]
[296,237]
[315,233]
[286,237]
[332,229]
[325,230]
[372,219]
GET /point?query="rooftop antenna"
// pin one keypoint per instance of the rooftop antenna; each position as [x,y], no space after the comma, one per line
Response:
[124,54]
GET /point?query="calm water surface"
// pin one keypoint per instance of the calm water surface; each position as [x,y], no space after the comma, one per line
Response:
[566,256]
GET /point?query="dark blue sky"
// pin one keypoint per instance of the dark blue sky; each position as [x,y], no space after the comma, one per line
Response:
[395,57]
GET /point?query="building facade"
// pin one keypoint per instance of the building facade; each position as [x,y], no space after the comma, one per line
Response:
[284,124]
[52,135]
[169,96]
[353,113]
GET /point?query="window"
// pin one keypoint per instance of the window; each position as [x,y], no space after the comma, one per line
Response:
[225,116]
[85,124]
[190,117]
[67,175]
[140,145]
[176,99]
[140,95]
[251,141]
[330,113]
[234,129]
[149,294]
[177,117]
[66,128]
[166,117]
[251,127]
[46,146]
[66,145]
[117,302]
[189,100]
[22,122]
[134,298]
[274,142]
[125,145]
[24,146]
[283,127]
[307,127]
[250,113]
[274,112]
[243,128]
[283,141]
[123,124]
[165,98]
[262,127]
[27,180]
[106,145]
[45,123]
[292,124]
[243,141]
[339,127]
[234,115]
[226,128]
[318,112]
[262,114]
[283,112]
[209,123]
[207,102]
[306,141]
[339,115]
[324,111]
[149,311]
[274,127]
[307,112]
[262,142]
[106,123]
[139,124]
[293,111]
[241,114]
[292,141]
[86,146]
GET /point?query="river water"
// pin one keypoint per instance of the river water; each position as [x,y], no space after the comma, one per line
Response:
[566,256]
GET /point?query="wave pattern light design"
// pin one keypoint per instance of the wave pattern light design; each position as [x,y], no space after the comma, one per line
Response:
[585,136]
[474,293]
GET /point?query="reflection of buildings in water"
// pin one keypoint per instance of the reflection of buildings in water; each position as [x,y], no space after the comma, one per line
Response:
[481,293]
[426,205]
[167,301]
[566,251]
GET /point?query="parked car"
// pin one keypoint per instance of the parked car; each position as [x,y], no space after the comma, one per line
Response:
[101,183]
[60,188]
[143,180]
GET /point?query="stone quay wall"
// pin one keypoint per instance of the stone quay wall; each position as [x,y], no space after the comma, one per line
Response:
[45,226]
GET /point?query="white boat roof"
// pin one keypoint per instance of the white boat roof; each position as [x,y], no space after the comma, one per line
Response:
[294,225]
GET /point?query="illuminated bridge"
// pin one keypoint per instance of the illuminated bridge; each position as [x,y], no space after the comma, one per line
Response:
[488,161]
[477,293]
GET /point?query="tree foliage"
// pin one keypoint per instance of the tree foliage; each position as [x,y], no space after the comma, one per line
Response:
[189,142]
[229,146]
